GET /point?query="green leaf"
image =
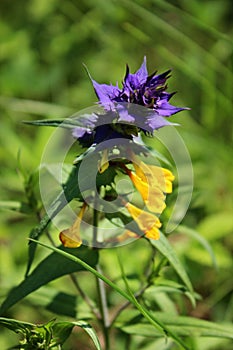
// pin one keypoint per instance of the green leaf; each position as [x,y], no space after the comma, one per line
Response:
[61,331]
[16,326]
[53,333]
[63,304]
[181,325]
[90,331]
[67,123]
[163,288]
[70,191]
[167,250]
[52,267]
[153,320]
[35,336]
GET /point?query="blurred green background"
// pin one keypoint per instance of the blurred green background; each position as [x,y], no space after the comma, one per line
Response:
[43,46]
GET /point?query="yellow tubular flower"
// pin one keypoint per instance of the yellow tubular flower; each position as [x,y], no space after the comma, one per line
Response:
[148,223]
[155,176]
[70,237]
[153,197]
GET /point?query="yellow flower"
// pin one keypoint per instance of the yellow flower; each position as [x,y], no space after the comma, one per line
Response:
[70,237]
[155,176]
[153,196]
[147,222]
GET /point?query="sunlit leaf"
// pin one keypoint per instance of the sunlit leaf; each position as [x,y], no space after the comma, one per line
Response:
[181,325]
[90,331]
[166,249]
[155,322]
[52,267]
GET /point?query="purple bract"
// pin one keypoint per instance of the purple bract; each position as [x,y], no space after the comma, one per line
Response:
[141,105]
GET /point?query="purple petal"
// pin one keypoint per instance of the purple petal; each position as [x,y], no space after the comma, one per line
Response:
[105,93]
[123,113]
[165,109]
[135,81]
[142,72]
[155,121]
[88,120]
[80,132]
[160,79]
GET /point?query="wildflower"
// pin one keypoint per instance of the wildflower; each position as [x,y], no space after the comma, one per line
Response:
[147,222]
[153,197]
[141,89]
[151,181]
[142,104]
[155,176]
[71,237]
[123,113]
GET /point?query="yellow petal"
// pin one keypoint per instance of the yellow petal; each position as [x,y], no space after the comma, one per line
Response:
[164,178]
[70,237]
[153,197]
[153,233]
[147,222]
[67,241]
[155,176]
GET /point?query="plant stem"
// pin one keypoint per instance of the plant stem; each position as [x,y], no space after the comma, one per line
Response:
[103,308]
[101,286]
[165,330]
[85,297]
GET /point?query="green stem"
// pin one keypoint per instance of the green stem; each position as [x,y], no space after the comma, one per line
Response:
[85,297]
[128,296]
[101,286]
[103,308]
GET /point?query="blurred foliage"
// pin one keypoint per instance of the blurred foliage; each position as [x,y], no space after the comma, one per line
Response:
[43,46]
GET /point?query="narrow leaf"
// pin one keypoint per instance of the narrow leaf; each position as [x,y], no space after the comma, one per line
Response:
[181,325]
[64,123]
[167,250]
[61,331]
[153,320]
[52,267]
[15,325]
[70,191]
[90,331]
